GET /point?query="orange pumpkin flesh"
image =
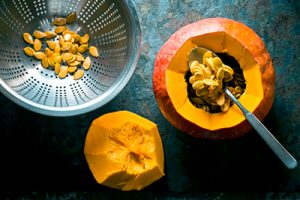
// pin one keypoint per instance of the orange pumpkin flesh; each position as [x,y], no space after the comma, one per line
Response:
[124,151]
[219,35]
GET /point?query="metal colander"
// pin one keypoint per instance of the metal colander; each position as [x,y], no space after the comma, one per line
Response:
[114,29]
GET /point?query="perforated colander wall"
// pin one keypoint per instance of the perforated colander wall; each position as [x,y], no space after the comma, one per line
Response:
[111,29]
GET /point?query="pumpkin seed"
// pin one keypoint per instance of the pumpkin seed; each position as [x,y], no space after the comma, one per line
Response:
[84,39]
[51,61]
[39,34]
[192,80]
[72,69]
[82,48]
[79,57]
[87,63]
[198,85]
[27,37]
[210,64]
[57,48]
[68,32]
[206,55]
[66,46]
[48,52]
[61,40]
[67,56]
[39,55]
[71,18]
[73,49]
[221,100]
[63,72]
[59,21]
[76,46]
[37,44]
[50,34]
[58,59]
[220,74]
[68,37]
[217,62]
[78,74]
[195,69]
[219,87]
[205,71]
[29,51]
[194,63]
[74,63]
[228,69]
[205,108]
[225,106]
[73,59]
[227,75]
[45,63]
[57,68]
[199,75]
[76,38]
[51,44]
[93,51]
[212,76]
[56,54]
[210,82]
[60,29]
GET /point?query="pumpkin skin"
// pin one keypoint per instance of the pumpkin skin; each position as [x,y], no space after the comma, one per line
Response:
[208,33]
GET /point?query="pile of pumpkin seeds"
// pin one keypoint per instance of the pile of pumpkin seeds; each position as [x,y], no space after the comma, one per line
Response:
[66,54]
[206,81]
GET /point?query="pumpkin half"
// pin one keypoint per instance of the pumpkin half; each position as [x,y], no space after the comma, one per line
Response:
[220,35]
[124,151]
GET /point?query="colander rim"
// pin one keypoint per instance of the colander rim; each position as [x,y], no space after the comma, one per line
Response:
[98,102]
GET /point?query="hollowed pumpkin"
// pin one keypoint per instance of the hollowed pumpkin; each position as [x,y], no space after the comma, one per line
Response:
[220,35]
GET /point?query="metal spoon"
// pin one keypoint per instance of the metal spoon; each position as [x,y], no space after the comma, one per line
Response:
[289,161]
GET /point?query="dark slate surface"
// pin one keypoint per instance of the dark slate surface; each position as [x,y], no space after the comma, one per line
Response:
[40,153]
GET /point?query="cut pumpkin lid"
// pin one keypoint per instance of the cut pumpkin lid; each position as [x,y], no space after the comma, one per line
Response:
[124,151]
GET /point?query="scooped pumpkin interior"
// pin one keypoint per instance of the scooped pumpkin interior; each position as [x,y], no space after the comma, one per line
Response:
[177,87]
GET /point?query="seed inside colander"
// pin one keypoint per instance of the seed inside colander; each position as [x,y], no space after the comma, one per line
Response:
[64,55]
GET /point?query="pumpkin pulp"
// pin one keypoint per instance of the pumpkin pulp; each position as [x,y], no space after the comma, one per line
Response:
[177,87]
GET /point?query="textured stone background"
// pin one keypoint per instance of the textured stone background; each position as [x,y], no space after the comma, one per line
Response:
[40,153]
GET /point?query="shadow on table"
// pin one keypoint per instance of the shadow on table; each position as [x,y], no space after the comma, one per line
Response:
[242,164]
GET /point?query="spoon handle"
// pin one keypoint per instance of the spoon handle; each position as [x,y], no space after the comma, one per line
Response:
[289,161]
